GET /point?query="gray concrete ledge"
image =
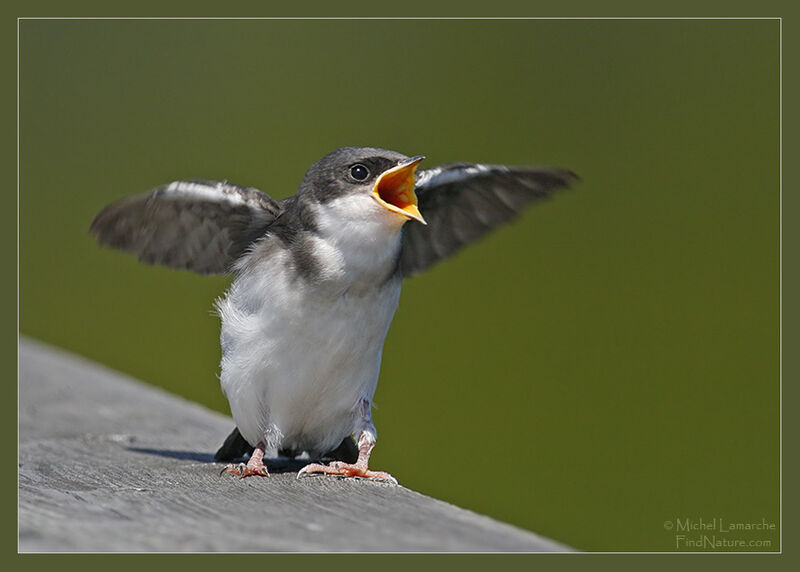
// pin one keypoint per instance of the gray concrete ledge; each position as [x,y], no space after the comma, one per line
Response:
[107,463]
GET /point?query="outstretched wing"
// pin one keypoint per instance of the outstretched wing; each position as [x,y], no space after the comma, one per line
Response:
[461,202]
[202,226]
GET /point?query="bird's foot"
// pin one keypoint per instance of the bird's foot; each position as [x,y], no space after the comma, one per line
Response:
[241,470]
[346,470]
[255,466]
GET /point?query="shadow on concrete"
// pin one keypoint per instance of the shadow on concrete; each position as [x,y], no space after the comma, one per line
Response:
[275,466]
[173,454]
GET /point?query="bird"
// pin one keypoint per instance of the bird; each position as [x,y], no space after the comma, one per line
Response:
[316,281]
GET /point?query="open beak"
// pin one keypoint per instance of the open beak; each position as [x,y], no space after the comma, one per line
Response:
[394,189]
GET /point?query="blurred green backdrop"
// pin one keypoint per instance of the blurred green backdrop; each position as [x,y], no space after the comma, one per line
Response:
[606,364]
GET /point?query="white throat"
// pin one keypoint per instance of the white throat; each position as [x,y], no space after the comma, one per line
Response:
[357,239]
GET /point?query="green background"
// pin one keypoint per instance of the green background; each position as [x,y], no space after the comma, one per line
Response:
[606,364]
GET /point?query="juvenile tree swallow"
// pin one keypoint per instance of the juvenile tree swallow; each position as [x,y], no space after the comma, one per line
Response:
[317,279]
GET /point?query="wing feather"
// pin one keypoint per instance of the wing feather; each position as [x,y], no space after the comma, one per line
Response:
[462,202]
[204,226]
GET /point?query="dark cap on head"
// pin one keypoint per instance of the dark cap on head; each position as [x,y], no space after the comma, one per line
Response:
[347,170]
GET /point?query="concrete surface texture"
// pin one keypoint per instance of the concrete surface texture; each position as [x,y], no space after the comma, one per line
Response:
[107,463]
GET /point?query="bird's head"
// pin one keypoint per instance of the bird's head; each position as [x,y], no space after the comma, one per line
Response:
[364,182]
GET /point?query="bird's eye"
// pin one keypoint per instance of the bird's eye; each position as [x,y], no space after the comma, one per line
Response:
[359,172]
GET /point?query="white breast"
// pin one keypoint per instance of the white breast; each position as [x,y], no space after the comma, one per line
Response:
[300,356]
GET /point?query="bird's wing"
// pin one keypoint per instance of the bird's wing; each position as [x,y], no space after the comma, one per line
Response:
[202,226]
[461,202]
[234,447]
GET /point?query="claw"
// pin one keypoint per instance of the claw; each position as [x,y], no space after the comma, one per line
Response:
[345,470]
[307,470]
[259,471]
[241,470]
[237,470]
[255,466]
